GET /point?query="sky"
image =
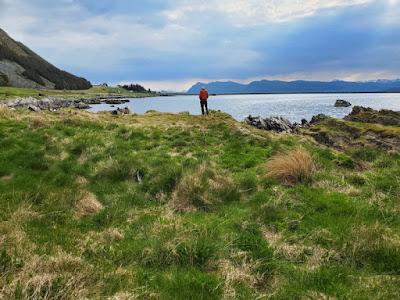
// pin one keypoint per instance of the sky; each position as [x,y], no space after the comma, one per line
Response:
[172,44]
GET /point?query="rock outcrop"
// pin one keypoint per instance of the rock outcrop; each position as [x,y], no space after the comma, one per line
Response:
[369,115]
[276,124]
[341,135]
[342,103]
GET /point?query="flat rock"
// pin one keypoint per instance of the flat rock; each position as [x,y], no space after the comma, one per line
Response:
[34,108]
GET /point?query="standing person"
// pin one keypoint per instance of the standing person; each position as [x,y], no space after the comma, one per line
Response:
[203,96]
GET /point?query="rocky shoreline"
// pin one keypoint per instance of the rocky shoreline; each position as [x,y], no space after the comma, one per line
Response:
[53,103]
[341,134]
[358,114]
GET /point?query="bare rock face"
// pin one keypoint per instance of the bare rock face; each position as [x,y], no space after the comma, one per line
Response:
[276,124]
[342,103]
[369,115]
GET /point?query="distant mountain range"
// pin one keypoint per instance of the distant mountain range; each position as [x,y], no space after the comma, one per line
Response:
[21,67]
[299,86]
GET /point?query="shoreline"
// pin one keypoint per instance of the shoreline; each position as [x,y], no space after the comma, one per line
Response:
[55,103]
[288,93]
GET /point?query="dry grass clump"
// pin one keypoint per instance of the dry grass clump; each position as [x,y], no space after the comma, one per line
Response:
[37,121]
[62,276]
[5,112]
[203,188]
[235,271]
[312,256]
[13,235]
[292,167]
[96,241]
[87,205]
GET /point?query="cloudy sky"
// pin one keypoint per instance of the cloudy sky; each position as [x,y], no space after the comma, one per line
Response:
[170,44]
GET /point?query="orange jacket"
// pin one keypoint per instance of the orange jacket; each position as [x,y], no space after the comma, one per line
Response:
[203,95]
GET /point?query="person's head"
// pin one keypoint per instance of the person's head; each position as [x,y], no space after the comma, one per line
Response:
[203,88]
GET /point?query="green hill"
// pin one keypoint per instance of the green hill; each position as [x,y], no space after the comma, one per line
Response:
[21,67]
[166,206]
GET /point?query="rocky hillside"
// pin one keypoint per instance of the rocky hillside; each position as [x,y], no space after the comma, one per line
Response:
[21,67]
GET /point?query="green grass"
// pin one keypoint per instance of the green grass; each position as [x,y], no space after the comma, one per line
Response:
[12,92]
[235,241]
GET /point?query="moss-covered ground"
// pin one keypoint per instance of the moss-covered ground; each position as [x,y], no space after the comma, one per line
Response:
[88,211]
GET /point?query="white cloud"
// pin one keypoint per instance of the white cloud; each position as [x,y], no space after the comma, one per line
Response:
[254,12]
[190,39]
[82,40]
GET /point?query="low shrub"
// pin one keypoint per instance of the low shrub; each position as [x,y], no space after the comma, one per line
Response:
[292,167]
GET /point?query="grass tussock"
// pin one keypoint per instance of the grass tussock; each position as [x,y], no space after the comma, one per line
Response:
[292,167]
[61,276]
[203,188]
[88,205]
[5,112]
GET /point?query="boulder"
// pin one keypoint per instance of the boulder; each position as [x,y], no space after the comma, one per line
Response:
[82,105]
[276,124]
[342,103]
[34,108]
[121,111]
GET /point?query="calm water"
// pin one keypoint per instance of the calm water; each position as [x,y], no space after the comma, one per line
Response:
[292,106]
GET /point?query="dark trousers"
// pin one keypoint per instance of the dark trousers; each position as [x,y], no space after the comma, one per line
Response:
[204,107]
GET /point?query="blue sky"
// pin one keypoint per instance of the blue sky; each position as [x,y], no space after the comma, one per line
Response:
[170,44]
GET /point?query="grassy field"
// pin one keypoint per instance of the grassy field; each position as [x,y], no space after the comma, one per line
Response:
[12,92]
[166,206]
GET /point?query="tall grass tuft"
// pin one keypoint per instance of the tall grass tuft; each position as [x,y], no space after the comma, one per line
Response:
[203,188]
[292,167]
[4,111]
